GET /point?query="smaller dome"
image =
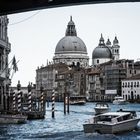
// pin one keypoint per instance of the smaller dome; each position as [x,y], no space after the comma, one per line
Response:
[101,52]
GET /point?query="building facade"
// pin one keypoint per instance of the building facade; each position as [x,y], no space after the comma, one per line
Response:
[46,76]
[5,48]
[131,88]
[72,82]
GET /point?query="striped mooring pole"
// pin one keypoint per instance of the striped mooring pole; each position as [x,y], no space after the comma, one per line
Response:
[29,97]
[14,101]
[42,98]
[42,101]
[19,96]
[53,103]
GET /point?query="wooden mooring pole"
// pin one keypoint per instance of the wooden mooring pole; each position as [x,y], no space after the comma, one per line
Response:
[64,103]
[68,103]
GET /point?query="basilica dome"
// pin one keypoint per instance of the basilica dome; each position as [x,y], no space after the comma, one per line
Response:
[71,49]
[71,44]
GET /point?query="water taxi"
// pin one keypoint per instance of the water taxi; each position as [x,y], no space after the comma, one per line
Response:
[112,122]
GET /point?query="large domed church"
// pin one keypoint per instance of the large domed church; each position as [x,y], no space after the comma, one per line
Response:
[71,49]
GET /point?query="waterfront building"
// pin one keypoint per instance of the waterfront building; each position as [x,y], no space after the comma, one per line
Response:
[5,48]
[46,75]
[71,49]
[72,82]
[131,88]
[94,85]
[104,80]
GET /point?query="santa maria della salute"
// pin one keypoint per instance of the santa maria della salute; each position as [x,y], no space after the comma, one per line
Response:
[72,50]
[71,72]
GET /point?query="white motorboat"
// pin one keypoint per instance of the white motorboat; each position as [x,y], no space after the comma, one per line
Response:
[112,122]
[101,108]
[119,100]
[12,119]
[77,100]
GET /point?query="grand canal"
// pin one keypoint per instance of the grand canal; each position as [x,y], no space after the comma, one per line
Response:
[65,127]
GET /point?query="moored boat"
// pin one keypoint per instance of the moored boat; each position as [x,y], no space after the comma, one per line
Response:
[12,119]
[77,100]
[119,100]
[112,122]
[101,108]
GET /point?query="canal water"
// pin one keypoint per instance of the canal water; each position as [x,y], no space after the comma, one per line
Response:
[65,127]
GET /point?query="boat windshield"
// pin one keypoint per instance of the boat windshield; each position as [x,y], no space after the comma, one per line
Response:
[106,118]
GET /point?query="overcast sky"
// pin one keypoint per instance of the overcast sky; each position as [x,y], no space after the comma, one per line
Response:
[34,35]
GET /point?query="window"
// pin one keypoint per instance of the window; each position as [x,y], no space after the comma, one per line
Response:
[97,61]
[131,84]
[128,84]
[137,84]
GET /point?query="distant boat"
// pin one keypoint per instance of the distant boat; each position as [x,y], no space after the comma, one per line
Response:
[77,100]
[101,108]
[119,100]
[112,122]
[12,119]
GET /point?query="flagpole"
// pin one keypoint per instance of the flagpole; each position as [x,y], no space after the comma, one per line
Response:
[8,65]
[13,71]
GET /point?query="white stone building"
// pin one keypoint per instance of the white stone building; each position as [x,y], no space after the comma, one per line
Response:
[131,88]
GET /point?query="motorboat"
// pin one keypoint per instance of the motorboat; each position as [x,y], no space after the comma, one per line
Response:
[12,118]
[101,108]
[112,122]
[77,100]
[119,100]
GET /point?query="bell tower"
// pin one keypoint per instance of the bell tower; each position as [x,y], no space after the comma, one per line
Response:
[116,49]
